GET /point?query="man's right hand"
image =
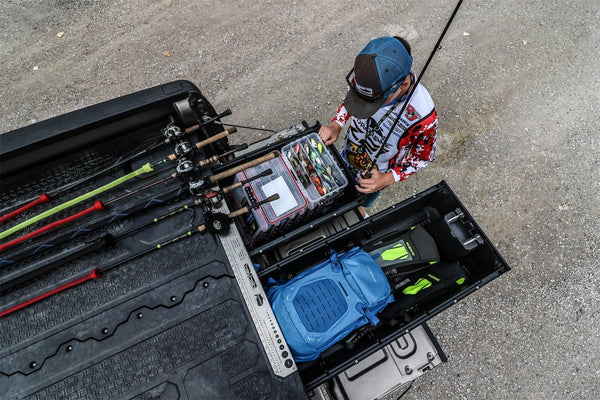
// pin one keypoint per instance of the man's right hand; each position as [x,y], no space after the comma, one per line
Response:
[330,133]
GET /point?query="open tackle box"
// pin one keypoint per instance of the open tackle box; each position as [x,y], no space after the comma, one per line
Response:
[314,167]
[307,180]
[160,292]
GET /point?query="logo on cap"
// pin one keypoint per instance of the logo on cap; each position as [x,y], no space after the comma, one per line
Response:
[363,90]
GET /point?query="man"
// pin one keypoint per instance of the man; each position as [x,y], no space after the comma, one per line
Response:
[379,85]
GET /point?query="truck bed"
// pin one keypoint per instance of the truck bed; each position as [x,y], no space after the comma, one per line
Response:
[134,301]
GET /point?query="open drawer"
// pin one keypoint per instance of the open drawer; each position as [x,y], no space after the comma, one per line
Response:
[450,232]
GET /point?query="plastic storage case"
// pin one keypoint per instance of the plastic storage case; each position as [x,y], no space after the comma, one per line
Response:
[271,218]
[313,166]
[275,223]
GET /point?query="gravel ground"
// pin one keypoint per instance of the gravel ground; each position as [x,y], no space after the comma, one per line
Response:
[515,84]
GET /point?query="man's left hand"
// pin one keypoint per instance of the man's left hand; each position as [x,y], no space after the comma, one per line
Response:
[377,181]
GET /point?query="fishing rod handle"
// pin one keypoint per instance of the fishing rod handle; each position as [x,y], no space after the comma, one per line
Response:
[245,210]
[242,146]
[232,187]
[235,170]
[216,137]
[236,185]
[203,143]
[216,158]
[210,160]
[238,212]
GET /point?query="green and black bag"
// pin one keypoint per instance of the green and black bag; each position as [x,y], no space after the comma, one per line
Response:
[424,287]
[413,251]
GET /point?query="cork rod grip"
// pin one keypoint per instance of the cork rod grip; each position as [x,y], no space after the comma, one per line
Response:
[216,137]
[232,187]
[247,209]
[237,213]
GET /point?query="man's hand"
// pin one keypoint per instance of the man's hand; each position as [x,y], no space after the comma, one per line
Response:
[377,181]
[330,133]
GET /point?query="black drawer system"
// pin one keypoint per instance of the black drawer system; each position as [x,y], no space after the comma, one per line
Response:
[459,241]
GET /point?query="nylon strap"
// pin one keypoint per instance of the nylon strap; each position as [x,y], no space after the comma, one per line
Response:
[142,170]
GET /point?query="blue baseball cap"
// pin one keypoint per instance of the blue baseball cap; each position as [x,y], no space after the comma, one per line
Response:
[378,70]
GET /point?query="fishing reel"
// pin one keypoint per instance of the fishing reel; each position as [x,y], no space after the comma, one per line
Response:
[214,199]
[208,197]
[197,187]
[184,167]
[172,132]
[183,148]
[217,222]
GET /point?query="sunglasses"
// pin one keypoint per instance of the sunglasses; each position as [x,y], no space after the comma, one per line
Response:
[350,78]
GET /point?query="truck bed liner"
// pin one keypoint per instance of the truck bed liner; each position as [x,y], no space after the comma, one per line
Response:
[177,313]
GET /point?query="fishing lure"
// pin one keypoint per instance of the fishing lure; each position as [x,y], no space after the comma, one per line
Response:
[325,175]
[316,145]
[298,169]
[330,171]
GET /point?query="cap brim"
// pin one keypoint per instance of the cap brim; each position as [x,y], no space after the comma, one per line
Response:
[361,108]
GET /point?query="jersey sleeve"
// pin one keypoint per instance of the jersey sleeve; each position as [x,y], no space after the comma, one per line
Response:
[342,116]
[420,143]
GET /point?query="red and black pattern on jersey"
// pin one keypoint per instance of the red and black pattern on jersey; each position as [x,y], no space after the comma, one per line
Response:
[416,149]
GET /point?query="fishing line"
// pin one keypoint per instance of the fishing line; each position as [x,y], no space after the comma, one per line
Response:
[367,172]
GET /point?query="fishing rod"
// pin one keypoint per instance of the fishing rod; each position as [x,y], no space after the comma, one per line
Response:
[100,271]
[248,127]
[170,133]
[63,237]
[182,167]
[22,275]
[197,188]
[97,206]
[144,204]
[146,168]
[367,172]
